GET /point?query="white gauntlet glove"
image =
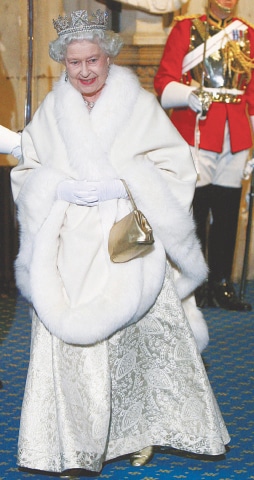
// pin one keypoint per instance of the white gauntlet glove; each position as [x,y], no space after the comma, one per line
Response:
[82,192]
[176,95]
[108,189]
[194,102]
[10,142]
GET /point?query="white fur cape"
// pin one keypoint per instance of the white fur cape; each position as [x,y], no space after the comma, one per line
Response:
[77,292]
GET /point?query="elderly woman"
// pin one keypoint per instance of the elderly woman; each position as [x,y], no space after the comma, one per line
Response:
[114,365]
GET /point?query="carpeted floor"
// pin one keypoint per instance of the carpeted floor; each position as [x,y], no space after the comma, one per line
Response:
[230,365]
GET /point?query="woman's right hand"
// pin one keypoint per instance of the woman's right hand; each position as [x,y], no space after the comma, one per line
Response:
[76,191]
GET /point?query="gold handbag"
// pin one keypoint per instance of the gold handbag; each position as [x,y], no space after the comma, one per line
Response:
[131,236]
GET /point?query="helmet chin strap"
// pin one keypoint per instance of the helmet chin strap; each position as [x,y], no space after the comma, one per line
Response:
[222,8]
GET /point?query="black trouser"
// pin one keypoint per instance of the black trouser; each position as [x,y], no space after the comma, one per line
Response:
[221,205]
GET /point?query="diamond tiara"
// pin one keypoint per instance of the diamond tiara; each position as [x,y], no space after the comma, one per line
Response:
[80,21]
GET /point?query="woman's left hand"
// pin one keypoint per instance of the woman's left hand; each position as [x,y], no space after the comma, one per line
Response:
[108,189]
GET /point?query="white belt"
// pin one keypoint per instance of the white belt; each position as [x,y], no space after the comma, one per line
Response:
[222,90]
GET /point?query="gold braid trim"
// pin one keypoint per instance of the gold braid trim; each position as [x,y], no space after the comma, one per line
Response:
[251,25]
[236,60]
[243,64]
[179,18]
[201,28]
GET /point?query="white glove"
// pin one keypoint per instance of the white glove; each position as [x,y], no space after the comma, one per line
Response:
[10,142]
[176,94]
[194,103]
[82,192]
[108,189]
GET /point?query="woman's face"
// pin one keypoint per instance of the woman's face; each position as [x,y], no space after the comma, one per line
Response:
[87,67]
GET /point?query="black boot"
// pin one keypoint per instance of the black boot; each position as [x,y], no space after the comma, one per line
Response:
[223,229]
[202,295]
[222,294]
[201,209]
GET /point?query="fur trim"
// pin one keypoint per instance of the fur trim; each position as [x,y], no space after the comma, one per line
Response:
[94,147]
[39,188]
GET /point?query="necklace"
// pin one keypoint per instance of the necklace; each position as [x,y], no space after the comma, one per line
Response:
[89,105]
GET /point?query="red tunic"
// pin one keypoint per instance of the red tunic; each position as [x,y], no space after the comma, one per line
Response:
[212,128]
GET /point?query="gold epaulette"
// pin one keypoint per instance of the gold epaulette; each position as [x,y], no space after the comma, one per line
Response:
[251,25]
[179,18]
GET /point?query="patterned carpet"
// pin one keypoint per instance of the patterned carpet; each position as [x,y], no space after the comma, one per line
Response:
[230,366]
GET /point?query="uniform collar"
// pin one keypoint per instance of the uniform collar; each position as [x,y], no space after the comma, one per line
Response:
[217,22]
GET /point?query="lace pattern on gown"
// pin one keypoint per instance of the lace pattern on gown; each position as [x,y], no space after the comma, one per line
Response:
[145,385]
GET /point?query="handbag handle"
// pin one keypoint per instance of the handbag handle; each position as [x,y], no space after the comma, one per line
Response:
[129,194]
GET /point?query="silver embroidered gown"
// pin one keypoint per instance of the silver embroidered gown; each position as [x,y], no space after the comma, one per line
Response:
[146,385]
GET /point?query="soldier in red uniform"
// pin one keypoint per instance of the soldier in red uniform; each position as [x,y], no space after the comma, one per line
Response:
[206,77]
